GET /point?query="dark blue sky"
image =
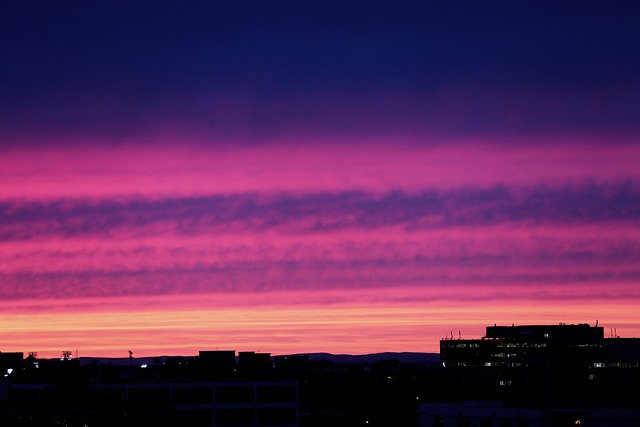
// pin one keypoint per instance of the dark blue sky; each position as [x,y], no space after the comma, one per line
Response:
[113,67]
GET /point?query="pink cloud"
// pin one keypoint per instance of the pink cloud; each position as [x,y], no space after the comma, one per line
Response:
[396,245]
[198,169]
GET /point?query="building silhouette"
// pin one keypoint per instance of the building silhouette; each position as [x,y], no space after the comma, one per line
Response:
[208,390]
[538,375]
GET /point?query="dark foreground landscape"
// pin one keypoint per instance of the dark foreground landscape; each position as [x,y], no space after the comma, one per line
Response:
[515,376]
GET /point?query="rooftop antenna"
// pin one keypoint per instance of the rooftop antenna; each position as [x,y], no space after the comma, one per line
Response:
[459,335]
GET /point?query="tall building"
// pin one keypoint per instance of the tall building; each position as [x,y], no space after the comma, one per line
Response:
[538,375]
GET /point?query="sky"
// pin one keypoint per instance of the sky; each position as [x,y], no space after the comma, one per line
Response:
[293,177]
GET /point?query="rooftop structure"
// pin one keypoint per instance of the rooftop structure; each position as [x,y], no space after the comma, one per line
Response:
[561,331]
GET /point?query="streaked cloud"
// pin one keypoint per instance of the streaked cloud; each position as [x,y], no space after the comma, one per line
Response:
[322,213]
[265,242]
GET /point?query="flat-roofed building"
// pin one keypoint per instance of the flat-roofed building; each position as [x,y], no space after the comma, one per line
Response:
[544,362]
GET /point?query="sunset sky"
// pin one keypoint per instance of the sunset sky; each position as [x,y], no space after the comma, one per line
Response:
[340,176]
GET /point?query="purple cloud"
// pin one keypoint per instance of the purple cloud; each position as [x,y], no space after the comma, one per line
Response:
[322,213]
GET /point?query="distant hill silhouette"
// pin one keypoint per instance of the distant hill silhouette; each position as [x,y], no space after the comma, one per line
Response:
[402,357]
